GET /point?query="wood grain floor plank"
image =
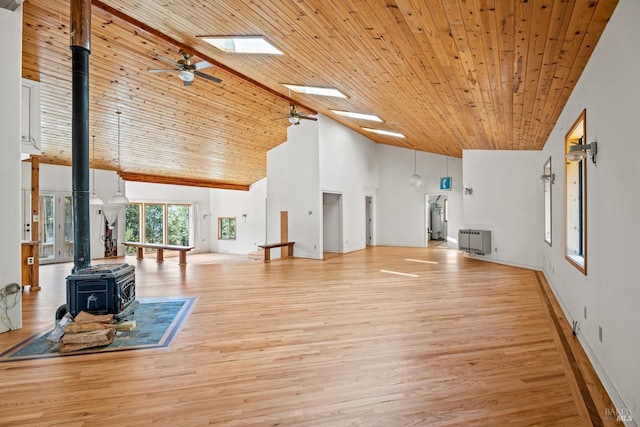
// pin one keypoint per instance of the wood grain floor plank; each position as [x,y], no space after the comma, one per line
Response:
[313,343]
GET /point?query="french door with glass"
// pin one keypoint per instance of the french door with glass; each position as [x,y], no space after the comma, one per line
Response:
[55,227]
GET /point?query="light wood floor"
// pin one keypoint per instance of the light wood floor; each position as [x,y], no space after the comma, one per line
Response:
[315,343]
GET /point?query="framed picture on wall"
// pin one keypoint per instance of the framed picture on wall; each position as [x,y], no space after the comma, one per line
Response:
[445,183]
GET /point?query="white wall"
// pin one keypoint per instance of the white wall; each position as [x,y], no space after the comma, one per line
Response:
[277,193]
[610,92]
[348,166]
[305,200]
[507,200]
[198,196]
[401,209]
[10,84]
[250,229]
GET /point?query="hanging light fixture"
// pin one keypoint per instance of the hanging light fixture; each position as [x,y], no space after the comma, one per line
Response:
[415,180]
[118,198]
[94,200]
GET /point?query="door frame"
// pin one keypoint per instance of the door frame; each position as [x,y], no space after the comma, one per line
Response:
[340,226]
[59,225]
[427,215]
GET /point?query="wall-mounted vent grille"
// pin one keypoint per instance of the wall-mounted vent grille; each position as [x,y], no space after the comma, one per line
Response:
[477,242]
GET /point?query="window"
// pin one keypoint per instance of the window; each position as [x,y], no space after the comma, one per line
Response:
[178,225]
[162,223]
[153,223]
[132,228]
[576,198]
[446,210]
[548,180]
[226,228]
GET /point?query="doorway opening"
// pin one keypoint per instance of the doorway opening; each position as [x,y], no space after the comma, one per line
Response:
[368,208]
[332,223]
[437,220]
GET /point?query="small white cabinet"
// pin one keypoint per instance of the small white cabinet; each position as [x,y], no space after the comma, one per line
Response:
[30,105]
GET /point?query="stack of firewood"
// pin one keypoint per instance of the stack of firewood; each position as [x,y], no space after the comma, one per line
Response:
[88,330]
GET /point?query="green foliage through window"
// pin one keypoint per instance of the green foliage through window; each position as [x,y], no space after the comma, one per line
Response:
[160,223]
[132,227]
[178,227]
[226,228]
[153,223]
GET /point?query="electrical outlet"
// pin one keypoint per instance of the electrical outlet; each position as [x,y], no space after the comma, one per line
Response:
[30,260]
[600,333]
[496,250]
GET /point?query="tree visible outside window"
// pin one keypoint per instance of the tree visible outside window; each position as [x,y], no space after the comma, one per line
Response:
[132,227]
[226,228]
[159,223]
[154,223]
[178,224]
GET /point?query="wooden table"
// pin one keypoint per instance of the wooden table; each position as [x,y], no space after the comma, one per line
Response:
[160,250]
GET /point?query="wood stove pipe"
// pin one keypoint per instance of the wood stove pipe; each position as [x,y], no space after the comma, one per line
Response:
[80,49]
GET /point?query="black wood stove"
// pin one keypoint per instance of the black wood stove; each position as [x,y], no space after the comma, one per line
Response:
[103,289]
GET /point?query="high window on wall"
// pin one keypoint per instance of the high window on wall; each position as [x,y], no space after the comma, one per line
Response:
[161,223]
[548,180]
[576,198]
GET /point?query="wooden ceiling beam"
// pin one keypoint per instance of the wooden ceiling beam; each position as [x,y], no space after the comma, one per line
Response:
[172,180]
[186,48]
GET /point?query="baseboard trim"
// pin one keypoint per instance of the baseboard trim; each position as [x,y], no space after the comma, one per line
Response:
[607,384]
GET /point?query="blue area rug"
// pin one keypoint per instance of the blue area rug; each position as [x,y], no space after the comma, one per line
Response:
[158,320]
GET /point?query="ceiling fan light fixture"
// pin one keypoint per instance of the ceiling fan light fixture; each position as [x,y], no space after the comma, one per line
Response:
[294,120]
[242,44]
[186,76]
[362,116]
[316,90]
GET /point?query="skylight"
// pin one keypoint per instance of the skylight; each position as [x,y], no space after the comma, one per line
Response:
[363,116]
[385,132]
[311,90]
[242,44]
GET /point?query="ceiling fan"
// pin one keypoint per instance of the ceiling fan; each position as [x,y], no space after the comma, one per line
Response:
[294,115]
[187,69]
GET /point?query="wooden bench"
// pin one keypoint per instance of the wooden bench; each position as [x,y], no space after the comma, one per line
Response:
[160,250]
[267,249]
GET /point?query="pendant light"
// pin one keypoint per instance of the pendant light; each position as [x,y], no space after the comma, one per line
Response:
[118,198]
[415,180]
[94,200]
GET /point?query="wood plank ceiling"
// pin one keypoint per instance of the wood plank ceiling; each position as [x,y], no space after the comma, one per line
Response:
[449,74]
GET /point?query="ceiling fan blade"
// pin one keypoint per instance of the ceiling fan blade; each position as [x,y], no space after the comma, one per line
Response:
[308,118]
[202,64]
[170,61]
[207,76]
[164,71]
